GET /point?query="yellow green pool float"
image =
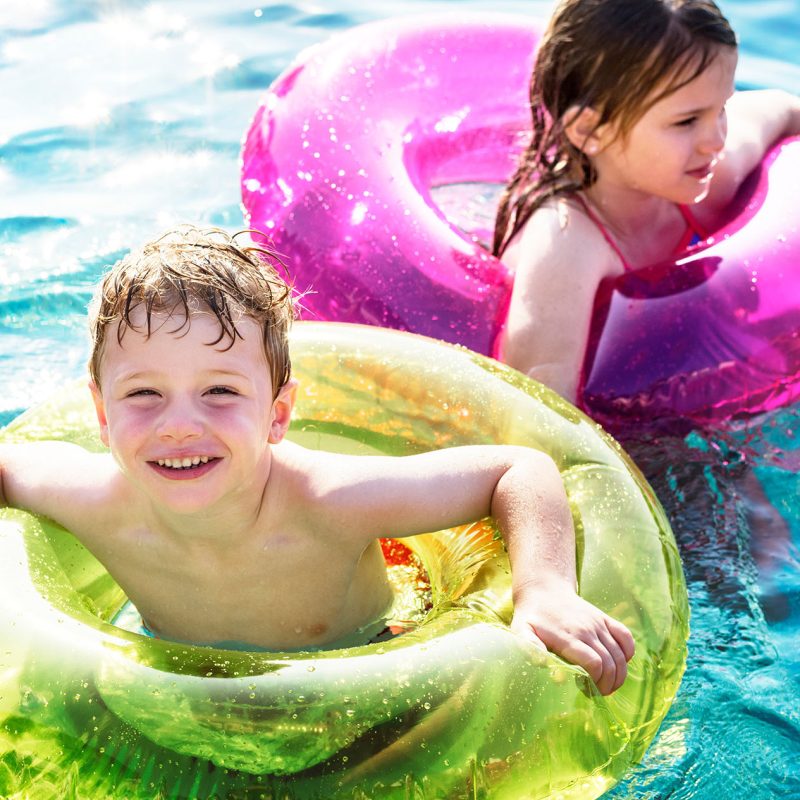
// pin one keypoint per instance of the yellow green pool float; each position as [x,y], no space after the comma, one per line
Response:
[460,707]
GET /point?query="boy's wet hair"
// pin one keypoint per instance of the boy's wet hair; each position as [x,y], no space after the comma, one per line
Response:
[190,270]
[612,56]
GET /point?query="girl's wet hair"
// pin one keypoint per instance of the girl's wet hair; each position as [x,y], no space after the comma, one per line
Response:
[612,56]
[191,270]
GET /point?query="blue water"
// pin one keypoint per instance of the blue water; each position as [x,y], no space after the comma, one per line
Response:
[122,118]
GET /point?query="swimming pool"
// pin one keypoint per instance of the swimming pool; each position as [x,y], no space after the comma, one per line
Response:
[121,118]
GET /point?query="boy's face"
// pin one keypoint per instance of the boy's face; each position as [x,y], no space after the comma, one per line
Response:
[190,423]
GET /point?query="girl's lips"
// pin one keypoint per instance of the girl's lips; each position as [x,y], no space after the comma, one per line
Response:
[706,171]
[184,473]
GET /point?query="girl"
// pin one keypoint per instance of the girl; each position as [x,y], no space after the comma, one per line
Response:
[639,144]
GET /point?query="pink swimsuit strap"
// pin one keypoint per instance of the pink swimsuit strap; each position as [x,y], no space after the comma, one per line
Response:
[602,228]
[694,231]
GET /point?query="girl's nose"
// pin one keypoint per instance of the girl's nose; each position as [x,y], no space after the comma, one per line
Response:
[715,135]
[179,422]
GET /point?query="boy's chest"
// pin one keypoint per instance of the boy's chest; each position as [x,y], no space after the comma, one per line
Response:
[292,591]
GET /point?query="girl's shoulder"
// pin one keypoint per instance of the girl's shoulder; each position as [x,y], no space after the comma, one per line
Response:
[561,239]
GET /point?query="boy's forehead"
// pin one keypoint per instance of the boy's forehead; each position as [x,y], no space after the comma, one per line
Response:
[200,332]
[172,318]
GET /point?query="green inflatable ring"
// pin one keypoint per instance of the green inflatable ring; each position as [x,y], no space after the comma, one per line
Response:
[459,707]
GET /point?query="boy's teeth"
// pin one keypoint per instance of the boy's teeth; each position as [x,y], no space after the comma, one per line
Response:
[182,463]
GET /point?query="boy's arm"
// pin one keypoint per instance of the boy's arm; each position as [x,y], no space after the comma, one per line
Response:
[57,480]
[522,489]
[537,528]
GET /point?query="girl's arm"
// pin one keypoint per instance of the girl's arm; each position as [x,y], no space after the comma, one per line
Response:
[756,120]
[559,260]
[369,497]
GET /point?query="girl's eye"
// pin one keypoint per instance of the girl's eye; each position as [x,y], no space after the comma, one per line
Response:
[685,123]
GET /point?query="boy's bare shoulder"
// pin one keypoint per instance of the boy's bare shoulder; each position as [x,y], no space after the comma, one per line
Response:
[331,493]
[52,456]
[310,479]
[353,499]
[60,480]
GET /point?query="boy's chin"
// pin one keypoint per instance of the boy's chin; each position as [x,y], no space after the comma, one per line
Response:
[182,496]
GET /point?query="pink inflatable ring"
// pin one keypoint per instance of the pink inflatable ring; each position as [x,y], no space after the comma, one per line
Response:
[338,167]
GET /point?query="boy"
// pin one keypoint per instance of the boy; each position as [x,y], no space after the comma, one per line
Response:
[218,530]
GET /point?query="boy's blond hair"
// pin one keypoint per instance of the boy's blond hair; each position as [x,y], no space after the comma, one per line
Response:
[189,270]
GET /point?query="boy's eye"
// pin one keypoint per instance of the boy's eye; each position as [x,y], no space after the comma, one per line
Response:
[222,390]
[142,393]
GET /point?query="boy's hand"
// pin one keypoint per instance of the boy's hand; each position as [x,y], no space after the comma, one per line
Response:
[555,618]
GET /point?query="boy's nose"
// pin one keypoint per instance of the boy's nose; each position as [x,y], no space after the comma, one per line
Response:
[179,422]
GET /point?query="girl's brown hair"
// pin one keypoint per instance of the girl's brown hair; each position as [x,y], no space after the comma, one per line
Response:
[611,56]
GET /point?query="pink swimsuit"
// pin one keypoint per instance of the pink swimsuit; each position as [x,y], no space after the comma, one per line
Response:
[693,234]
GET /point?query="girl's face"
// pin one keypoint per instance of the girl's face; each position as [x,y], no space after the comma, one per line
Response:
[671,151]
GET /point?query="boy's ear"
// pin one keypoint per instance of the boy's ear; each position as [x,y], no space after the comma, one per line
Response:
[282,408]
[100,410]
[581,128]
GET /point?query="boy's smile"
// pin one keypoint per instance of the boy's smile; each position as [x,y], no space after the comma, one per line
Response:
[186,468]
[188,422]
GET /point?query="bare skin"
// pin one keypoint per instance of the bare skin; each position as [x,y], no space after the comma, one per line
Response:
[693,147]
[261,541]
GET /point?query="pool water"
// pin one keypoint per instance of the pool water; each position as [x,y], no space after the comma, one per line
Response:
[123,118]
